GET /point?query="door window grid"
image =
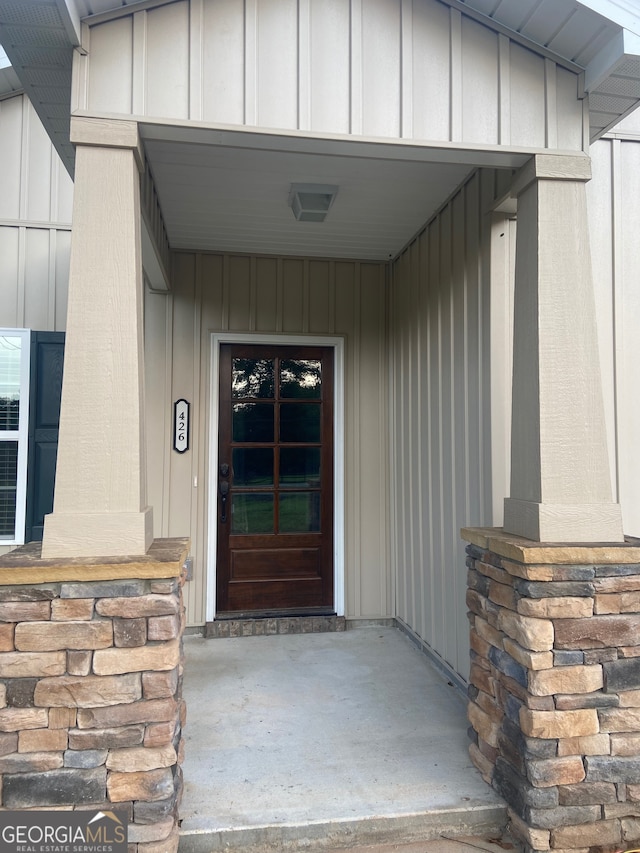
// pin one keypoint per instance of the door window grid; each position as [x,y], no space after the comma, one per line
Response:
[299,383]
[14,417]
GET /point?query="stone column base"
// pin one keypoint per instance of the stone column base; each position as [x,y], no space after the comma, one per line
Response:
[91,713]
[554,686]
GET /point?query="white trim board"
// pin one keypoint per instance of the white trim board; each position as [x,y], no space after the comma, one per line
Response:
[337,343]
[21,435]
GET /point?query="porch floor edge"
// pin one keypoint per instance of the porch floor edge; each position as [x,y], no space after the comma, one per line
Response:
[485,820]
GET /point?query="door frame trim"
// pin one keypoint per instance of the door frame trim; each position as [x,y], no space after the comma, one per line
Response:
[336,342]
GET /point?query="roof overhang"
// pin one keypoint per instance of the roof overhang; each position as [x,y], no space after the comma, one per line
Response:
[612,81]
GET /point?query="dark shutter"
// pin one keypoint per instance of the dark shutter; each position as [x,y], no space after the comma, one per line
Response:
[47,356]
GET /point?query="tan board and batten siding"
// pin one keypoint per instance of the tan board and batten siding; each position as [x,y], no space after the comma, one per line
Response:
[216,292]
[441,473]
[36,196]
[405,70]
[614,218]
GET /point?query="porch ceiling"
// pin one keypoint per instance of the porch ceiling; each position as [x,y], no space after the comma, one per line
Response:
[223,198]
[228,190]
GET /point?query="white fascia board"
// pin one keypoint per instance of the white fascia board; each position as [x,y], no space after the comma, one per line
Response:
[70,19]
[621,47]
[625,13]
[10,85]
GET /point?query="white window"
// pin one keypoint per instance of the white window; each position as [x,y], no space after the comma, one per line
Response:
[14,420]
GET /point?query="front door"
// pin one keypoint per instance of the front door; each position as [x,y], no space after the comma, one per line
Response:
[275,480]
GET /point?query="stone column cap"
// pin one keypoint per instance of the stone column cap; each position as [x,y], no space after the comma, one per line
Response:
[528,551]
[24,565]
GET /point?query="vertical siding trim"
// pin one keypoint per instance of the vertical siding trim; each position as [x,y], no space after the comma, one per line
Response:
[25,139]
[406,73]
[465,349]
[224,324]
[354,433]
[500,359]
[196,64]
[22,272]
[451,627]
[586,126]
[419,450]
[356,117]
[51,294]
[251,62]
[253,294]
[304,65]
[383,412]
[54,187]
[551,103]
[617,224]
[483,316]
[392,373]
[427,481]
[305,296]
[332,298]
[455,130]
[504,90]
[279,294]
[139,70]
[408,421]
[166,416]
[198,528]
[54,172]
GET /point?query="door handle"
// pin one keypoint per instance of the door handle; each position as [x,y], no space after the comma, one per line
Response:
[224,492]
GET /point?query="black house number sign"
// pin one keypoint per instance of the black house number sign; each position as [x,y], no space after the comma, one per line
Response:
[181,425]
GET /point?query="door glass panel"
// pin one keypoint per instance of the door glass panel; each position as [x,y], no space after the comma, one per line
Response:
[299,466]
[299,422]
[251,513]
[252,422]
[252,377]
[9,382]
[253,466]
[300,378]
[300,512]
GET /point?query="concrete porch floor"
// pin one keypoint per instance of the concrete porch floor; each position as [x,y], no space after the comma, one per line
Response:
[321,741]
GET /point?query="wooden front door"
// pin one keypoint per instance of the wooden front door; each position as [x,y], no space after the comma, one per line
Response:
[275,480]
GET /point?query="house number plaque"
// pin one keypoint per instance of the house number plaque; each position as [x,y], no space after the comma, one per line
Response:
[181,425]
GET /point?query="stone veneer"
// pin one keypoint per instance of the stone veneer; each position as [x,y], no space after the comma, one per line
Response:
[554,687]
[91,713]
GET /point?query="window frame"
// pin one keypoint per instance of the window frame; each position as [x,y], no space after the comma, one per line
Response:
[21,435]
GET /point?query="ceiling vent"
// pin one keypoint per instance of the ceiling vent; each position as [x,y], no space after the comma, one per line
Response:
[311,202]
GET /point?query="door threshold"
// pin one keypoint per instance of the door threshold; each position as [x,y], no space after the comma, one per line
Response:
[261,626]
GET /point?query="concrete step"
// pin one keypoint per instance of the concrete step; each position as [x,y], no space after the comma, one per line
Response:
[482,822]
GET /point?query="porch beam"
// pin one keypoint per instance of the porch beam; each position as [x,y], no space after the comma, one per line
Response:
[560,477]
[100,492]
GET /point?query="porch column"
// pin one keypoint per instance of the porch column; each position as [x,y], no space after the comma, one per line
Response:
[560,478]
[100,492]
